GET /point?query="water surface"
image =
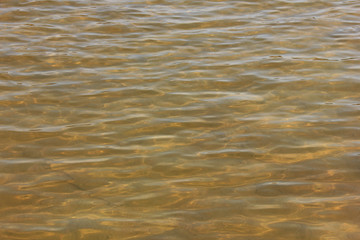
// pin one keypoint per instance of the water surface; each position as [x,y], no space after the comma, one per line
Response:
[179,120]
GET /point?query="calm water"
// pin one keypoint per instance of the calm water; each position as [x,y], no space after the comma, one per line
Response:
[180,120]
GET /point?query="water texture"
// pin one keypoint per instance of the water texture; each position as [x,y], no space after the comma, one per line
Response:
[179,120]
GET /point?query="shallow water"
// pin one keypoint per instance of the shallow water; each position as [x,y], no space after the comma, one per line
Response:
[179,120]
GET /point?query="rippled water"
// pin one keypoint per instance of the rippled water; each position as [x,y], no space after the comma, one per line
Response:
[179,120]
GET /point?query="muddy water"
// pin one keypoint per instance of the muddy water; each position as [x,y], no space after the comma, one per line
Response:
[179,120]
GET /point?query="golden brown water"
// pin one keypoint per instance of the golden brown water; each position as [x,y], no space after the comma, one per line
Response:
[179,120]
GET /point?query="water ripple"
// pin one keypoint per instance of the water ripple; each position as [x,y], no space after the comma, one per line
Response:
[188,120]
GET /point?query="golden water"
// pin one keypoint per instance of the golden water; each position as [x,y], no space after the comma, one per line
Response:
[171,120]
